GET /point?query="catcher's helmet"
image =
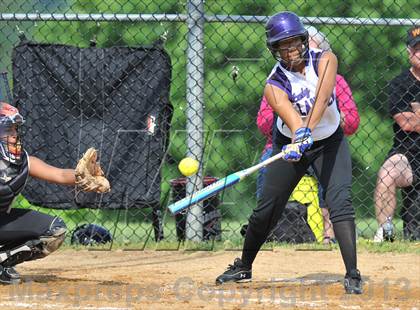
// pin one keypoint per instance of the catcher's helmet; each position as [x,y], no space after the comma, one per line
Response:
[90,234]
[10,134]
[282,26]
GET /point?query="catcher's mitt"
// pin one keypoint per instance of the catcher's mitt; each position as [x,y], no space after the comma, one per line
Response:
[89,175]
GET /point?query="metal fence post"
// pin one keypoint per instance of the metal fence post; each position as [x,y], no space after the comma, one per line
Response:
[195,96]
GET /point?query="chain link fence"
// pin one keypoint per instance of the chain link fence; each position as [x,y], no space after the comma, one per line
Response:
[218,67]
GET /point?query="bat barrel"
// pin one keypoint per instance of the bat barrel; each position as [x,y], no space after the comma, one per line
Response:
[204,193]
[218,186]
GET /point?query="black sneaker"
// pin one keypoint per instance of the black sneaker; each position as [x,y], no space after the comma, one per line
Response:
[236,273]
[9,275]
[353,282]
[12,272]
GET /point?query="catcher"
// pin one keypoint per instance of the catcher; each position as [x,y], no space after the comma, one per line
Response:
[26,234]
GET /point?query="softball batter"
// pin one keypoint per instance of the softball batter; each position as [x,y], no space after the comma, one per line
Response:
[299,74]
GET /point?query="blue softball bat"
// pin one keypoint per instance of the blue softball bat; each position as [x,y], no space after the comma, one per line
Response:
[219,186]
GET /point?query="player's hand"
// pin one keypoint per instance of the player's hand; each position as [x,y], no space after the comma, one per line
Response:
[415,106]
[292,152]
[303,137]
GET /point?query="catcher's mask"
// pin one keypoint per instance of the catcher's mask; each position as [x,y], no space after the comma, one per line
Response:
[10,134]
[90,234]
[282,27]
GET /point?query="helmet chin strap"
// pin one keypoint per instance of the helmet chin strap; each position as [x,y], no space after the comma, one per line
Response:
[287,64]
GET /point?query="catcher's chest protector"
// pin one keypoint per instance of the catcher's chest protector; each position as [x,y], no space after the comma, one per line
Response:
[12,181]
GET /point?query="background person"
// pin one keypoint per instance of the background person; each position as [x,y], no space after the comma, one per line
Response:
[401,168]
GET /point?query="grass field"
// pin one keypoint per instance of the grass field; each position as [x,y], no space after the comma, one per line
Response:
[134,227]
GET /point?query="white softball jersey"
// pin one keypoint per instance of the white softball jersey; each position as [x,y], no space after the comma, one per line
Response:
[301,92]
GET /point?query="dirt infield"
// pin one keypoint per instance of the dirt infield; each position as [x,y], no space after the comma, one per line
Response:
[284,278]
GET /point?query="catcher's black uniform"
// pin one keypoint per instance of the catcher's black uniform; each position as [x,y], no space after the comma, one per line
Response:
[24,234]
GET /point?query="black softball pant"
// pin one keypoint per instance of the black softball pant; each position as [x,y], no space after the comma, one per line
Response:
[331,161]
[21,225]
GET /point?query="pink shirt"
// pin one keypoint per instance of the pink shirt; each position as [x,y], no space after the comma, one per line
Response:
[346,104]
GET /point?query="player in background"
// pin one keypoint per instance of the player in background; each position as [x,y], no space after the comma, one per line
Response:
[349,122]
[401,168]
[24,234]
[291,90]
[349,118]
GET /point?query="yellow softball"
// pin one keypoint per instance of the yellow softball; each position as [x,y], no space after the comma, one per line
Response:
[188,166]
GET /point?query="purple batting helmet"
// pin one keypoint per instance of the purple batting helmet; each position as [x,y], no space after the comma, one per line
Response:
[282,26]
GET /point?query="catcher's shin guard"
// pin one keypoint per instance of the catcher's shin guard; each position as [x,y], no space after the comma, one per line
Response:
[19,254]
[54,237]
[35,249]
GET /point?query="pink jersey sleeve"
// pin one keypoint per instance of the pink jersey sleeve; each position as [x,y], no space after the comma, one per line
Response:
[265,118]
[347,106]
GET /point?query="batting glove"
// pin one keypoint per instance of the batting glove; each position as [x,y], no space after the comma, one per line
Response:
[303,137]
[292,152]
